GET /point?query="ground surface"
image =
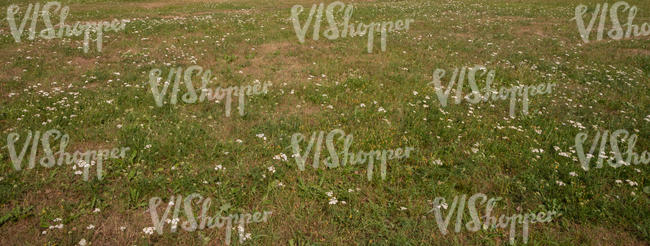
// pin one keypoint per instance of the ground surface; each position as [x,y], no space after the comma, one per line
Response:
[103,100]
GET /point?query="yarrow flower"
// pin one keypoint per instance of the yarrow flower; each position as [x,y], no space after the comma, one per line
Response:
[242,236]
[333,201]
[148,230]
[332,198]
[280,157]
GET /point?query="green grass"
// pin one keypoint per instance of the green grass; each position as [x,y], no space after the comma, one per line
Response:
[602,85]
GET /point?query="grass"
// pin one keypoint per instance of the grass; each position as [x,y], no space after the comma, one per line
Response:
[52,84]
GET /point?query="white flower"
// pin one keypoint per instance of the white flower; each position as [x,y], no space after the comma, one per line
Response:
[147,146]
[329,193]
[618,181]
[280,156]
[243,237]
[119,126]
[148,230]
[362,105]
[122,228]
[239,141]
[280,184]
[560,183]
[261,135]
[438,162]
[219,167]
[574,174]
[97,210]
[381,109]
[83,242]
[333,201]
[402,208]
[631,183]
[90,227]
[271,169]
[415,93]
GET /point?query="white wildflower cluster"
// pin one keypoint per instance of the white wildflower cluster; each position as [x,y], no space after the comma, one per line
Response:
[56,226]
[148,230]
[332,198]
[82,164]
[280,157]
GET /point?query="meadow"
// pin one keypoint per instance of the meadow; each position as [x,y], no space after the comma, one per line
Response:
[245,162]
